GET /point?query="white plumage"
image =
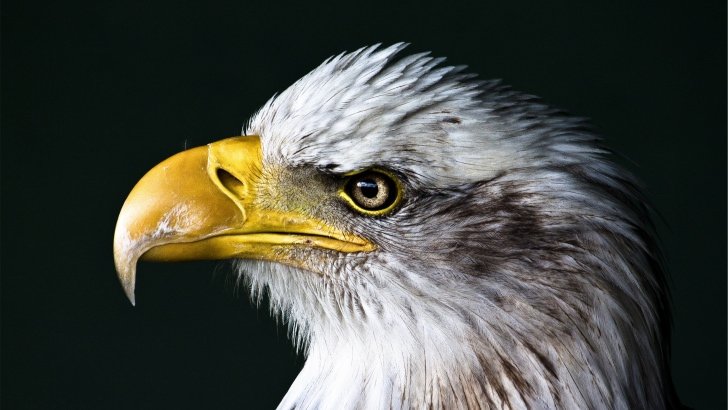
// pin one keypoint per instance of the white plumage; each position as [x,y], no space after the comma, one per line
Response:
[499,259]
[521,273]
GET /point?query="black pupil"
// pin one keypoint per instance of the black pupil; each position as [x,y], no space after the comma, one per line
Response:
[368,188]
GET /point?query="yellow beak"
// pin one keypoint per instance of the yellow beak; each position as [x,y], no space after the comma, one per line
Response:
[201,204]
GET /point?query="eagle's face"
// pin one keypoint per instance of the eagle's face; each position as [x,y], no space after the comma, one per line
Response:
[429,239]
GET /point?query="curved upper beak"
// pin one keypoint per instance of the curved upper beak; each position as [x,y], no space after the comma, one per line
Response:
[200,204]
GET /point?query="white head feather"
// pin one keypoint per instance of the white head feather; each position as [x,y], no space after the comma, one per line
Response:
[521,271]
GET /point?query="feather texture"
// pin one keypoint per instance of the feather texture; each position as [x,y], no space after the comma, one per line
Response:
[521,270]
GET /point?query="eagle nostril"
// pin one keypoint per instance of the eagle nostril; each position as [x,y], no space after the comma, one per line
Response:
[231,183]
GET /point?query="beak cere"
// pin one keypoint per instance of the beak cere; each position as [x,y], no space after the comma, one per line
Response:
[201,204]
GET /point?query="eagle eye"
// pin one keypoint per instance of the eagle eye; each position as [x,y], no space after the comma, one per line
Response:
[371,192]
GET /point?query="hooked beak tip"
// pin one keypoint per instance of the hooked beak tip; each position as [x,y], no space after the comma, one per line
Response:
[126,271]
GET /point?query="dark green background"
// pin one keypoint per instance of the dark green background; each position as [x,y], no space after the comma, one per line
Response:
[95,93]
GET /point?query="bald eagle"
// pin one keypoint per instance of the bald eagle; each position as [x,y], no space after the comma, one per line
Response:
[432,241]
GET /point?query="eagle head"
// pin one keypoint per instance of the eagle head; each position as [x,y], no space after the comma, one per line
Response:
[431,241]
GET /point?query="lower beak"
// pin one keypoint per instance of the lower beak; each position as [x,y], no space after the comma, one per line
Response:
[200,204]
